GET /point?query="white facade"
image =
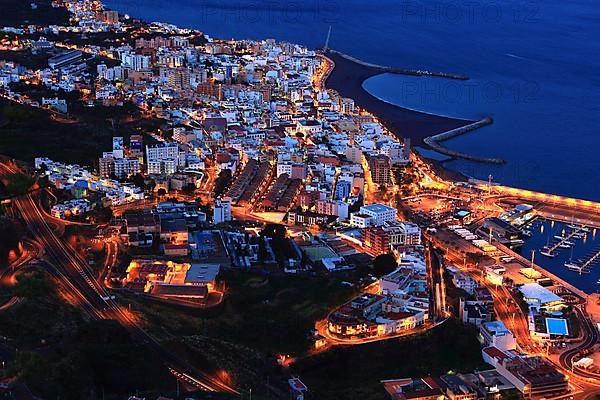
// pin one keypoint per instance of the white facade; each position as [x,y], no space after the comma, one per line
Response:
[222,211]
[495,333]
[380,213]
[162,151]
[166,166]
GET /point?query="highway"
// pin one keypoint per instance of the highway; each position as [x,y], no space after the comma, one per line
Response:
[92,297]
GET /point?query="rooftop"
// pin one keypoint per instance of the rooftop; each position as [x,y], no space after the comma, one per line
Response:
[377,208]
[200,273]
[534,291]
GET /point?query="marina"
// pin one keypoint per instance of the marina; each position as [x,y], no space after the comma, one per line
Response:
[570,251]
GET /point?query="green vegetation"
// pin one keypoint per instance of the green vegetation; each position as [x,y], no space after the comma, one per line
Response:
[261,317]
[355,372]
[33,285]
[25,58]
[270,314]
[454,294]
[18,184]
[384,264]
[10,235]
[222,182]
[279,243]
[61,354]
[76,141]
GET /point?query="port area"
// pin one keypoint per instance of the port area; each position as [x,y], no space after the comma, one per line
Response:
[491,234]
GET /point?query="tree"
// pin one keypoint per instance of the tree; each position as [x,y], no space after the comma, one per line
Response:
[138,180]
[384,264]
[262,249]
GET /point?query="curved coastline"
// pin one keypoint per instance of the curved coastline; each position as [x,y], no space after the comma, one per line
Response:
[348,77]
[408,108]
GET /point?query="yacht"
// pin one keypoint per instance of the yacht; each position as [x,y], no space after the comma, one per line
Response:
[546,252]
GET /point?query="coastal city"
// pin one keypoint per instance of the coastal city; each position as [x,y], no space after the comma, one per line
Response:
[189,217]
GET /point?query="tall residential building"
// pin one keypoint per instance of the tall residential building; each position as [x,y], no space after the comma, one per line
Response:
[342,190]
[222,211]
[379,166]
[166,166]
[125,167]
[162,151]
[354,154]
[179,79]
[333,207]
[373,215]
[119,167]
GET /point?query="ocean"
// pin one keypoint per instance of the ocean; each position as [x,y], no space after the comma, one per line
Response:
[534,67]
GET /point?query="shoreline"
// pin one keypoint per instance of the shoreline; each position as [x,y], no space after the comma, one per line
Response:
[428,130]
[347,77]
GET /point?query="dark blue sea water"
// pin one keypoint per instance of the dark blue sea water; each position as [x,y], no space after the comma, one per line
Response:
[534,66]
[543,234]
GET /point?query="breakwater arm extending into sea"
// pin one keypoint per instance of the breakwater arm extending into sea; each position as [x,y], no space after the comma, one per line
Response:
[434,142]
[347,79]
[400,71]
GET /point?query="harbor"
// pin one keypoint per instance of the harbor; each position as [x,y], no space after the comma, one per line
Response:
[569,251]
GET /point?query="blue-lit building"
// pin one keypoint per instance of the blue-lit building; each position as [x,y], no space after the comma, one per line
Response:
[342,190]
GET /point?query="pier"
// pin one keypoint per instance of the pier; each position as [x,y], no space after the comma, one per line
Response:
[550,251]
[591,260]
[434,142]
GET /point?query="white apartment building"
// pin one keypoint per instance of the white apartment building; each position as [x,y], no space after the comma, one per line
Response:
[222,211]
[379,213]
[165,166]
[162,151]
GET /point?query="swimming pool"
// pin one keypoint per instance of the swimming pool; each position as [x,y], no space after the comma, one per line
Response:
[557,326]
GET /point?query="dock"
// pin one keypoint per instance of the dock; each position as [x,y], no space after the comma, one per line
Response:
[524,261]
[550,251]
[591,260]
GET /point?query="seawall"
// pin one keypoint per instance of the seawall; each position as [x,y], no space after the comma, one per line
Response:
[400,71]
[434,142]
[347,78]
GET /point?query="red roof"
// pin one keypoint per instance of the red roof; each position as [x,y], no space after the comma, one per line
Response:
[495,352]
[397,315]
[223,157]
[429,381]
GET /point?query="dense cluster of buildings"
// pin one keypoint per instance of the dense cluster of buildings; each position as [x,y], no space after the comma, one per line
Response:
[81,183]
[401,303]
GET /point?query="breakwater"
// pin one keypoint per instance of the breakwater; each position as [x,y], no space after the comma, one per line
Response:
[435,140]
[400,71]
[347,79]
